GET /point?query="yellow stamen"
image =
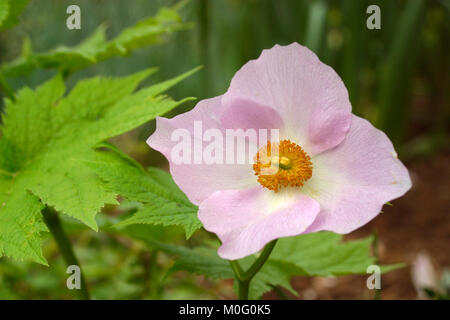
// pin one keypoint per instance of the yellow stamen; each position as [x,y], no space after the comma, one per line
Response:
[290,166]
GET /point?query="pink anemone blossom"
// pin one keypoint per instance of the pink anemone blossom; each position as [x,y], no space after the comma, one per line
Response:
[335,170]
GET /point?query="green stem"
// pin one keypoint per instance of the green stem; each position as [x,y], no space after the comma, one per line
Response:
[54,224]
[244,278]
[243,289]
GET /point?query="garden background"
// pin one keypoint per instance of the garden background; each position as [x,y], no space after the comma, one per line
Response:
[398,77]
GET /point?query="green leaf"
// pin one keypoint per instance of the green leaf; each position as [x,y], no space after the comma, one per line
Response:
[27,126]
[273,273]
[145,32]
[96,48]
[8,163]
[75,190]
[160,211]
[20,223]
[142,232]
[132,112]
[315,254]
[92,104]
[205,261]
[201,261]
[10,11]
[48,141]
[163,203]
[22,65]
[324,254]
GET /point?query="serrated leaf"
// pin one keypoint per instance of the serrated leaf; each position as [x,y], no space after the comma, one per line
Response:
[145,32]
[132,112]
[26,126]
[46,144]
[139,108]
[96,48]
[92,104]
[75,190]
[165,213]
[273,273]
[21,223]
[163,202]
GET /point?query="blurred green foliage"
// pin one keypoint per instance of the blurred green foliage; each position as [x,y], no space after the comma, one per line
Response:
[398,77]
[95,48]
[118,268]
[10,11]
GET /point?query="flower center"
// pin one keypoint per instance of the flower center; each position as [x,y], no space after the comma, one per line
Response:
[283,164]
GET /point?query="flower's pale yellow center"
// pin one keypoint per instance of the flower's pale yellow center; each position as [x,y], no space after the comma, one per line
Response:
[280,165]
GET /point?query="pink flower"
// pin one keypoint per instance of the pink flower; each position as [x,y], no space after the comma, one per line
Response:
[335,169]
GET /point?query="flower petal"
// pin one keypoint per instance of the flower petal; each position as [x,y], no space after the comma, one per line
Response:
[246,220]
[199,179]
[247,114]
[310,97]
[353,181]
